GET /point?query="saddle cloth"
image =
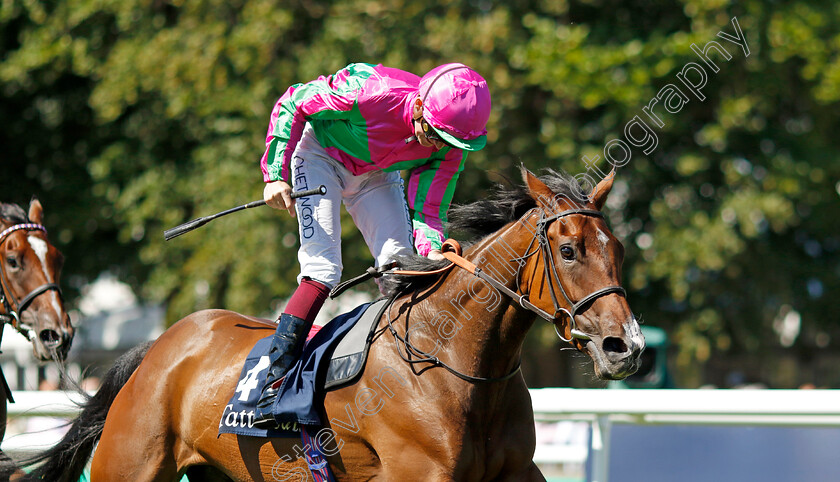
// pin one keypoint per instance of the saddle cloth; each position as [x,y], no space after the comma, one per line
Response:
[335,356]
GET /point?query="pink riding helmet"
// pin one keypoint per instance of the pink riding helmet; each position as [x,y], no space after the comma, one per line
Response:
[456,104]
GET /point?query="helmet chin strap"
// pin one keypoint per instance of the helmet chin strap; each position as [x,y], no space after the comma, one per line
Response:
[415,115]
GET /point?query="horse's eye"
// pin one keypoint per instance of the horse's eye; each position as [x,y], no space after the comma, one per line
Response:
[12,262]
[567,252]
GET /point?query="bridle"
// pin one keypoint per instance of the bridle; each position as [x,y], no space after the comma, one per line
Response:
[451,251]
[553,278]
[14,308]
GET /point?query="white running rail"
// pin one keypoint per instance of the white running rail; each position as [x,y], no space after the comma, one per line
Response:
[598,407]
[602,408]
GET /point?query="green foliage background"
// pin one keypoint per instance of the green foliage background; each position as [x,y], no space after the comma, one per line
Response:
[128,117]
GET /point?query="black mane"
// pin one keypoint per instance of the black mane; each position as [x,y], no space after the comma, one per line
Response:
[13,214]
[479,219]
[508,204]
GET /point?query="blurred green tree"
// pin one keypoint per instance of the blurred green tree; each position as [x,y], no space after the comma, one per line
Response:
[130,117]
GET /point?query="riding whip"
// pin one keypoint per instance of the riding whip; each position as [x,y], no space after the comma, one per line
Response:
[197,223]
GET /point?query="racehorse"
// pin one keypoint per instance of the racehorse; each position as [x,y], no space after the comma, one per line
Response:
[31,299]
[441,397]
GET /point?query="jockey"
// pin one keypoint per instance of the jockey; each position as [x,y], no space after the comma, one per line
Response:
[353,132]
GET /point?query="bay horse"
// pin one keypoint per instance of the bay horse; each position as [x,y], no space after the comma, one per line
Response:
[30,296]
[441,397]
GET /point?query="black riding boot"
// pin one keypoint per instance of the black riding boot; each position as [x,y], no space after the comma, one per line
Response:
[286,345]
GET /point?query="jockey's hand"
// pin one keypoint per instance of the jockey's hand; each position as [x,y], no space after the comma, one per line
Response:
[278,194]
[435,255]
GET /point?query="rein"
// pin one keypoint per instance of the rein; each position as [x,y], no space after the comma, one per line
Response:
[410,349]
[451,250]
[14,308]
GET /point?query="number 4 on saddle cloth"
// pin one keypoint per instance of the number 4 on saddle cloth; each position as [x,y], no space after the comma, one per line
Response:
[332,358]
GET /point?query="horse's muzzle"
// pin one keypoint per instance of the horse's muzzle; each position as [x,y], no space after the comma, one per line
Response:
[616,357]
[56,343]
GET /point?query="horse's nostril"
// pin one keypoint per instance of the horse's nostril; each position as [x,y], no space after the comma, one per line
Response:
[614,345]
[50,338]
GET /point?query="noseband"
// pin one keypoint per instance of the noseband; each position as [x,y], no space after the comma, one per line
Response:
[14,308]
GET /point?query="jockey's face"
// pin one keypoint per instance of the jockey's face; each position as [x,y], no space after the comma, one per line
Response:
[419,132]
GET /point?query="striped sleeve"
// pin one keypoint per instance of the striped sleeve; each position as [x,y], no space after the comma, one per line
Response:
[330,97]
[430,191]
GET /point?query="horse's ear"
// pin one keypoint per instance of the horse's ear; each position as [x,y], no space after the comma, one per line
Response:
[598,196]
[36,211]
[536,188]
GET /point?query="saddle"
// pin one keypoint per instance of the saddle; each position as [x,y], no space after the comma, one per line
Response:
[348,359]
[334,357]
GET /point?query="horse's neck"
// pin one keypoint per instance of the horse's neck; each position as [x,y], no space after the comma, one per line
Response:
[482,329]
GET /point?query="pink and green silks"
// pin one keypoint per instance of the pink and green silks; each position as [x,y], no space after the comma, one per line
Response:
[362,116]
